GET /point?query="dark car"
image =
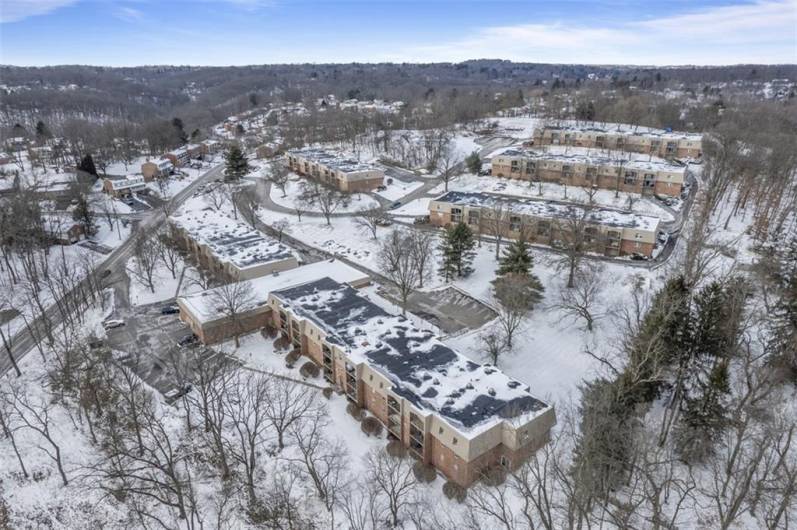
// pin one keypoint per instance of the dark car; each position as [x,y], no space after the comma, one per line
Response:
[395,205]
[169,310]
[381,188]
[106,273]
[187,340]
[639,257]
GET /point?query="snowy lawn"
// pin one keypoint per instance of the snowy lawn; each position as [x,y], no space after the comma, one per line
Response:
[165,286]
[413,208]
[398,189]
[357,201]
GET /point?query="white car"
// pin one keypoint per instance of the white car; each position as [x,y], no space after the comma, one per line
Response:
[111,324]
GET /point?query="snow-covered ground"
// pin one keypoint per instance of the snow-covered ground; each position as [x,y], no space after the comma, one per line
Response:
[357,201]
[398,189]
[122,168]
[413,208]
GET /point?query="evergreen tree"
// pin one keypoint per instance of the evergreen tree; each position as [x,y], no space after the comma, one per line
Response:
[458,252]
[42,132]
[83,214]
[237,166]
[87,165]
[516,259]
[473,163]
[179,130]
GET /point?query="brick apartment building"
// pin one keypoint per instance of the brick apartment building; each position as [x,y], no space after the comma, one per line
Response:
[123,186]
[655,176]
[342,173]
[211,324]
[606,231]
[229,248]
[621,137]
[156,169]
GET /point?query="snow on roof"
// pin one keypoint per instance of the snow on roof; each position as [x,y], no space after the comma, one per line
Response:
[229,240]
[332,160]
[423,370]
[552,210]
[202,307]
[623,128]
[596,159]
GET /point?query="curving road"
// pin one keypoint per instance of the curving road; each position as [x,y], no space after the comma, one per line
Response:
[22,342]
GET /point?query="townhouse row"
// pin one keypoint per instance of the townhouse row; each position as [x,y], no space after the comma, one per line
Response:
[665,144]
[459,416]
[339,172]
[605,231]
[655,176]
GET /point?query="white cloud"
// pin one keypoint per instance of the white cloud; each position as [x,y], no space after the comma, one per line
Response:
[15,10]
[129,14]
[763,32]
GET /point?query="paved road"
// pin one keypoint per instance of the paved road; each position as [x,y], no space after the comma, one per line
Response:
[23,341]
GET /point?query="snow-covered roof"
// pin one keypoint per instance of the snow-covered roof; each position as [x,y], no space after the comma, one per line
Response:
[332,160]
[123,183]
[623,128]
[552,210]
[430,375]
[203,309]
[595,159]
[229,240]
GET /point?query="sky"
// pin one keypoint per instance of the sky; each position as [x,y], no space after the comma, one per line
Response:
[240,32]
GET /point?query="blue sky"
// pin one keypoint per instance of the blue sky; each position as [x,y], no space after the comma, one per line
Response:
[237,32]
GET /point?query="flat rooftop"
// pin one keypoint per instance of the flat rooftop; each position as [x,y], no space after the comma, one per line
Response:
[552,210]
[430,375]
[204,310]
[595,159]
[332,160]
[229,240]
[623,128]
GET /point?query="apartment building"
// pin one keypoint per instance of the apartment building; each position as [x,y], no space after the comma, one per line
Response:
[211,323]
[343,173]
[452,413]
[665,144]
[654,176]
[229,248]
[156,169]
[122,186]
[606,231]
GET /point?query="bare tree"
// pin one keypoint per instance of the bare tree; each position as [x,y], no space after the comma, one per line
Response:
[280,226]
[279,175]
[7,428]
[448,162]
[572,240]
[146,254]
[326,198]
[515,296]
[36,416]
[169,252]
[422,247]
[216,195]
[233,300]
[249,205]
[578,302]
[288,403]
[393,480]
[322,461]
[494,343]
[369,219]
[397,262]
[497,221]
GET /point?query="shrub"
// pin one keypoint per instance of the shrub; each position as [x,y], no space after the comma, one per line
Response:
[371,426]
[355,411]
[395,448]
[292,357]
[269,331]
[454,491]
[309,369]
[282,343]
[327,392]
[424,472]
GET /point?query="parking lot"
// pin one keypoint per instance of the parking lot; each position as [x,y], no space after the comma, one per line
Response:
[450,309]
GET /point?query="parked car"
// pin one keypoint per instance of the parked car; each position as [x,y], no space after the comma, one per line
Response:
[383,221]
[638,257]
[105,273]
[662,236]
[381,188]
[422,220]
[113,323]
[169,310]
[395,205]
[188,340]
[177,393]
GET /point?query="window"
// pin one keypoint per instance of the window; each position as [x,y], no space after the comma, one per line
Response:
[371,377]
[440,430]
[504,461]
[630,178]
[514,223]
[454,441]
[473,217]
